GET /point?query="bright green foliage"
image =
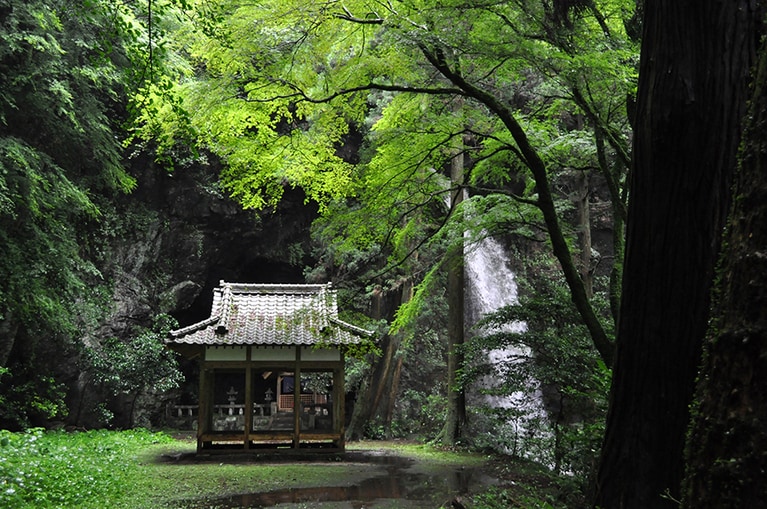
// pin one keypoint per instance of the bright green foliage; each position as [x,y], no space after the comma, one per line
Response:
[62,80]
[56,148]
[277,89]
[41,248]
[266,137]
[26,393]
[62,470]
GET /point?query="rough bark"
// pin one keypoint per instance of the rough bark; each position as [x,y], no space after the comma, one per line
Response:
[360,412]
[386,383]
[455,419]
[727,458]
[376,395]
[692,88]
[394,392]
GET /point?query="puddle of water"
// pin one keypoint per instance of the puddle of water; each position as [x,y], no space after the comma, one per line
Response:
[398,487]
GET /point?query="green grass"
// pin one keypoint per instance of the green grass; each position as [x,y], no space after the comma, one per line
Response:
[428,459]
[127,470]
[139,469]
[61,470]
[423,452]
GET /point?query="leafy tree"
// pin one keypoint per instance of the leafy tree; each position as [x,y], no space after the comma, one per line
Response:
[63,73]
[28,395]
[546,360]
[138,366]
[279,89]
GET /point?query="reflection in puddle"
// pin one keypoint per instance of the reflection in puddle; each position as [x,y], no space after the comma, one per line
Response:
[398,487]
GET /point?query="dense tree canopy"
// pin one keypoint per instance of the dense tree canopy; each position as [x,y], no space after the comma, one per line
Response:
[278,88]
[57,145]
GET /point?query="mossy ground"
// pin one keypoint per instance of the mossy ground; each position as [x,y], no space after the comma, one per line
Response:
[139,469]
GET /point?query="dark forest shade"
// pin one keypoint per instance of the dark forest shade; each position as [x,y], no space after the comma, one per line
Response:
[694,72]
[727,450]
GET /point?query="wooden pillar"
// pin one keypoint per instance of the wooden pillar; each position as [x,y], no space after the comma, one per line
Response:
[297,400]
[204,404]
[248,402]
[339,404]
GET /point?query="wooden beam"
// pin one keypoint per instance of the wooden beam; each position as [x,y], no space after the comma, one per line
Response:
[339,404]
[187,351]
[297,400]
[248,404]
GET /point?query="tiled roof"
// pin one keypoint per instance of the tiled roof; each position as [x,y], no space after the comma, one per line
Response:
[270,314]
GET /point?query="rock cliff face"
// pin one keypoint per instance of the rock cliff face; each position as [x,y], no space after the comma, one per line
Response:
[195,236]
[179,236]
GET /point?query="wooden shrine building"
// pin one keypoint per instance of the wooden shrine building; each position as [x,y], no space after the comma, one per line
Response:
[271,367]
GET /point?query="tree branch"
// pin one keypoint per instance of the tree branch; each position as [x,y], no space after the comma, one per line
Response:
[348,16]
[302,96]
[537,167]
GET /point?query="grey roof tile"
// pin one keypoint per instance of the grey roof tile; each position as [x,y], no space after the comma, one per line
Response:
[271,314]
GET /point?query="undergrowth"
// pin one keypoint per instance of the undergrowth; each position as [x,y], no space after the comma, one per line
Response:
[64,470]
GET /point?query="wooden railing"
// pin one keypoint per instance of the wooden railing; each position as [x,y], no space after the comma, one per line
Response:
[286,400]
[181,411]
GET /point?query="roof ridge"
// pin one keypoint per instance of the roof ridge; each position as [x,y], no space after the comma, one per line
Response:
[226,308]
[195,326]
[275,285]
[352,328]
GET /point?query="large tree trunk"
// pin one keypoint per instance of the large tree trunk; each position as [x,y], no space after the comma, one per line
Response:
[455,419]
[693,78]
[581,195]
[377,394]
[727,459]
[385,383]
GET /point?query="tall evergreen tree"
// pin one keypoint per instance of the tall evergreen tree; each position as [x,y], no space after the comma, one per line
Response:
[694,73]
[726,460]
